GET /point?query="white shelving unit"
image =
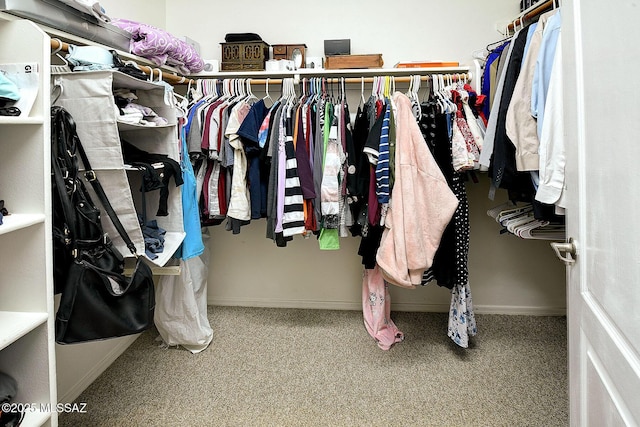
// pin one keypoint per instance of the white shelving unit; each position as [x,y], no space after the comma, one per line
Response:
[27,350]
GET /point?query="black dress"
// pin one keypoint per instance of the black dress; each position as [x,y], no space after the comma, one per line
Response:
[449,267]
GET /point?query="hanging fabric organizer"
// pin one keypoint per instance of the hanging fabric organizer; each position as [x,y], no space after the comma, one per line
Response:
[89,97]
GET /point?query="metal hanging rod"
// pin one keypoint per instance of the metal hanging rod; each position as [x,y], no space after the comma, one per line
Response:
[347,80]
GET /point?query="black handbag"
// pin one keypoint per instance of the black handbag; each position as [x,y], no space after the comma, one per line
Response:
[98,301]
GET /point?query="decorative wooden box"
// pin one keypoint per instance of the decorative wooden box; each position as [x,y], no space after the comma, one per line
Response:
[250,56]
[291,52]
[340,62]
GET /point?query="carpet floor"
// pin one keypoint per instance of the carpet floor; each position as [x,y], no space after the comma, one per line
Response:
[291,367]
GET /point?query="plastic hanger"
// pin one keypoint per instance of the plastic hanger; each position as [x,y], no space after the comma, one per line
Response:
[60,68]
[56,90]
[436,93]
[267,96]
[449,88]
[450,107]
[417,81]
[250,95]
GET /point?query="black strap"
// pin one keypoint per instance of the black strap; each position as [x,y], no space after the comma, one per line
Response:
[63,195]
[91,176]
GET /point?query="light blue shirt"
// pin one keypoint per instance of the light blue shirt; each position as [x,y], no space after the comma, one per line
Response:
[544,65]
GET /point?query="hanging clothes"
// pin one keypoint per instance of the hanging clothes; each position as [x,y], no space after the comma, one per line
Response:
[409,241]
[503,171]
[490,77]
[291,201]
[521,125]
[450,268]
[376,309]
[192,245]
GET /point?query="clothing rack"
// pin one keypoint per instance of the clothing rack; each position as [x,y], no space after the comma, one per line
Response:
[531,14]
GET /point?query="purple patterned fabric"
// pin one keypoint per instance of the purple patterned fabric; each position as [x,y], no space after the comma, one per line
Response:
[161,47]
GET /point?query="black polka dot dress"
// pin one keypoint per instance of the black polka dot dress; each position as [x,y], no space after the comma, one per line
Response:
[450,265]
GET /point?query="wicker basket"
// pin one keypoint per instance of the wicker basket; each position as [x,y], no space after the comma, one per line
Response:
[244,56]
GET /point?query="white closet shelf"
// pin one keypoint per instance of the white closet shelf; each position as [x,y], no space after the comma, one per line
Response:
[171,268]
[80,41]
[14,325]
[123,126]
[35,418]
[9,120]
[172,241]
[314,72]
[17,221]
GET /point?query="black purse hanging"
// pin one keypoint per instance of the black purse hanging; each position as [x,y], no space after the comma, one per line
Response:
[97,301]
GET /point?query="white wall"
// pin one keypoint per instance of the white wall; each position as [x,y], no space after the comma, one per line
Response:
[146,11]
[399,30]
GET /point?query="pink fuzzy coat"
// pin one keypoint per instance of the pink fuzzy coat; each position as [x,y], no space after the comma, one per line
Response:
[422,204]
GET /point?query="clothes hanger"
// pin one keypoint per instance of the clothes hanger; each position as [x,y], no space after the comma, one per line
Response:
[373,87]
[436,93]
[362,101]
[332,98]
[303,94]
[416,88]
[250,95]
[443,94]
[56,91]
[238,86]
[492,46]
[451,86]
[312,92]
[446,93]
[56,69]
[244,93]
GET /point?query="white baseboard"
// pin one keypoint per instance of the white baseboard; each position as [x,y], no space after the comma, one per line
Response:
[282,303]
[419,307]
[518,310]
[97,369]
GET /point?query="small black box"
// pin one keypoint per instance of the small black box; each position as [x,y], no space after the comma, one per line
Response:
[337,47]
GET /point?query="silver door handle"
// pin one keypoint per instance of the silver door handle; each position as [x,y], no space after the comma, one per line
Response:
[566,251]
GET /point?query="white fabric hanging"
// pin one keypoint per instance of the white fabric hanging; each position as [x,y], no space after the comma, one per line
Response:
[181,305]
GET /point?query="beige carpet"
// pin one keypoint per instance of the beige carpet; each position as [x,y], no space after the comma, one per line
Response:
[283,367]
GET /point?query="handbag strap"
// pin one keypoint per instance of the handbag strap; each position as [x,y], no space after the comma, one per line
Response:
[60,177]
[91,176]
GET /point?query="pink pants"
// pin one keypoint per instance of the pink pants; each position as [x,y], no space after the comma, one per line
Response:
[376,308]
